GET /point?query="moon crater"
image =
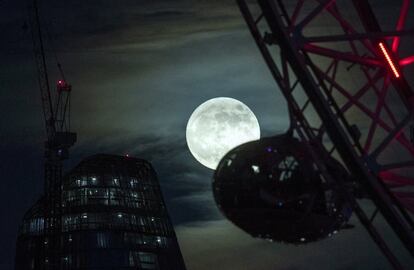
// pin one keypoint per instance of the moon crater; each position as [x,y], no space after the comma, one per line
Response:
[217,126]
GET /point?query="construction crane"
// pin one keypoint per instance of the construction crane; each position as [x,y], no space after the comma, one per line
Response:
[56,112]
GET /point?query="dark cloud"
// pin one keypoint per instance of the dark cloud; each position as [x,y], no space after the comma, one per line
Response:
[101,24]
[138,69]
[186,184]
[221,245]
[168,14]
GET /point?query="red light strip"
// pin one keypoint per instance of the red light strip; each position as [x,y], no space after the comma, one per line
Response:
[389,60]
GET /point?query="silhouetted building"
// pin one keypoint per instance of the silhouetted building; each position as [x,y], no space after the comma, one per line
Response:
[113,217]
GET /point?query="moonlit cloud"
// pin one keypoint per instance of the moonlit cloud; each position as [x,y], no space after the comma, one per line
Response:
[138,69]
[220,245]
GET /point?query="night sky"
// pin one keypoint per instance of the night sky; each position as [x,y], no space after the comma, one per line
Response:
[138,69]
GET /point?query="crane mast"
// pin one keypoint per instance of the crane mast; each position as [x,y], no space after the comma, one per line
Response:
[56,112]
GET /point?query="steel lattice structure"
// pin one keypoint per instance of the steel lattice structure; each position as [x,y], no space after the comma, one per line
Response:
[344,79]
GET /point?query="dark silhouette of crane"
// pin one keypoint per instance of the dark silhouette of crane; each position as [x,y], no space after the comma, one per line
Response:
[56,112]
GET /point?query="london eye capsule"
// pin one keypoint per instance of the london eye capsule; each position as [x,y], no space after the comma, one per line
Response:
[272,189]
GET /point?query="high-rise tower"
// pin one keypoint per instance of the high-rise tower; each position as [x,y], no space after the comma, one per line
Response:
[113,217]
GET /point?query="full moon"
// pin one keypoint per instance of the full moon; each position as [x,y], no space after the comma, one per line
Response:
[217,126]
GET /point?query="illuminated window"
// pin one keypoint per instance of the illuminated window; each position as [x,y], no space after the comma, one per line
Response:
[148,260]
[94,180]
[145,260]
[102,240]
[133,182]
[256,169]
[67,260]
[36,226]
[116,182]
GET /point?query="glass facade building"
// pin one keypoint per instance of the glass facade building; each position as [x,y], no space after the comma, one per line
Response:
[113,217]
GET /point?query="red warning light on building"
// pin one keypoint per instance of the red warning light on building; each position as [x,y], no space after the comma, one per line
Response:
[63,86]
